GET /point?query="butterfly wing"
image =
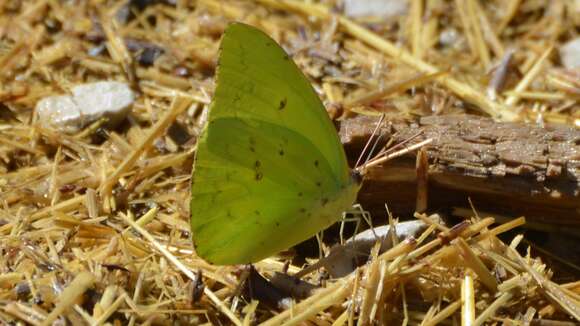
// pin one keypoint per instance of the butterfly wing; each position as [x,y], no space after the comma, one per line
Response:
[270,170]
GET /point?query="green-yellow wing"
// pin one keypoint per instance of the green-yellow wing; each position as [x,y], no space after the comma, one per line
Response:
[270,170]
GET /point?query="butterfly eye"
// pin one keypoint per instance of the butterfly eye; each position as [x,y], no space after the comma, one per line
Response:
[356,177]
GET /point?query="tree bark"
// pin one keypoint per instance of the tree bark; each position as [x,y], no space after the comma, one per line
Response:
[510,169]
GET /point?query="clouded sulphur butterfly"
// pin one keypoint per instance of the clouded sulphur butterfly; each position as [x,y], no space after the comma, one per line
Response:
[269,170]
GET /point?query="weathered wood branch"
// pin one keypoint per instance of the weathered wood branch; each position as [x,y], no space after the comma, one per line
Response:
[509,169]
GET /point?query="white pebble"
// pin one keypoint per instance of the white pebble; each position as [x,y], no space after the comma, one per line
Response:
[375,8]
[342,259]
[449,37]
[88,103]
[570,54]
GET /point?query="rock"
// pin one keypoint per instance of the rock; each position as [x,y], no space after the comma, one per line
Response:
[88,103]
[344,259]
[449,37]
[375,8]
[570,54]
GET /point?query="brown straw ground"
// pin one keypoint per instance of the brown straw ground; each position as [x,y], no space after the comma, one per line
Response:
[94,226]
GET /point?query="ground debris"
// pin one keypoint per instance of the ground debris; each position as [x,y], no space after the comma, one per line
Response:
[94,224]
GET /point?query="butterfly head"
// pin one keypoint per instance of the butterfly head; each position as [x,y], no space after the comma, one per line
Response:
[356,177]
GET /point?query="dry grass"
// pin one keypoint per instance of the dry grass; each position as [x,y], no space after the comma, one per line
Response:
[94,226]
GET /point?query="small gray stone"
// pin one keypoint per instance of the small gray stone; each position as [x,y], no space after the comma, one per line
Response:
[375,8]
[449,37]
[570,54]
[88,103]
[343,259]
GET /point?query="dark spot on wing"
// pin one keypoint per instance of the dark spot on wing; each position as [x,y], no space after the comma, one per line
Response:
[257,212]
[283,104]
[300,194]
[281,152]
[324,201]
[318,184]
[277,223]
[252,144]
[259,174]
[316,163]
[286,57]
[303,210]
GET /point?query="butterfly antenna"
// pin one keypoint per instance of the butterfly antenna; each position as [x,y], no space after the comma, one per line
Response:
[379,123]
[375,144]
[391,154]
[397,146]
